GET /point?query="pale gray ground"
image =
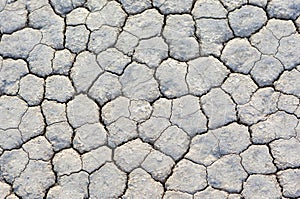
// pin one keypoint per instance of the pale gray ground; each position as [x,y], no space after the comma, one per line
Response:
[132,99]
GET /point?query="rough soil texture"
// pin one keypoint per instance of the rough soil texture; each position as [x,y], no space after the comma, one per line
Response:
[132,99]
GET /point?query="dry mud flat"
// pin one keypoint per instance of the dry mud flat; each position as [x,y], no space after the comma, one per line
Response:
[188,99]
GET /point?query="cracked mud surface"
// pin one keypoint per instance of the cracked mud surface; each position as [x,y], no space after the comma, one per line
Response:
[188,99]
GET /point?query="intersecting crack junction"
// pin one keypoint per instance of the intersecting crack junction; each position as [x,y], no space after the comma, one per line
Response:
[149,99]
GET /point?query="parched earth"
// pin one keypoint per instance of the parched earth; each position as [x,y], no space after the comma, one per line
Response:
[172,99]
